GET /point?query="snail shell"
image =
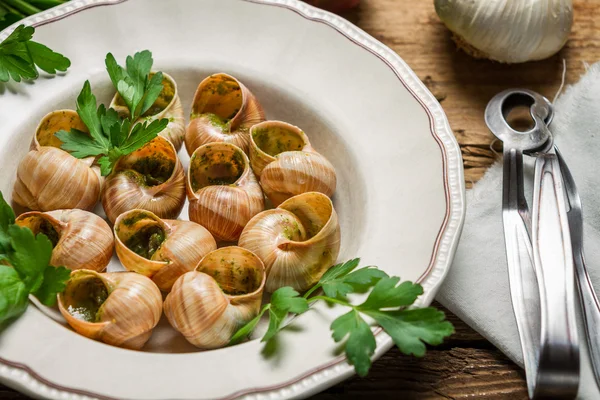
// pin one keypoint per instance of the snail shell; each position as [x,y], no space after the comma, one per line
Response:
[222,190]
[223,110]
[117,308]
[150,178]
[286,164]
[210,304]
[162,250]
[167,105]
[80,239]
[46,170]
[298,241]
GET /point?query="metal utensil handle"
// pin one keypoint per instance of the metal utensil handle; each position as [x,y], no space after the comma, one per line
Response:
[558,371]
[519,253]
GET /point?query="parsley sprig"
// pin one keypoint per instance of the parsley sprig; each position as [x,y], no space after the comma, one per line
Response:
[111,136]
[25,267]
[20,57]
[386,304]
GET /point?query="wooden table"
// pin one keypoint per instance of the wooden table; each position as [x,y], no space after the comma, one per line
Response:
[466,365]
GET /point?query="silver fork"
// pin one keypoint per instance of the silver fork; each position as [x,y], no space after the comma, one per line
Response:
[589,300]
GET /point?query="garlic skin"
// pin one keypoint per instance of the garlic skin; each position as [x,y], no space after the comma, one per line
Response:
[80,239]
[210,304]
[117,308]
[176,247]
[508,31]
[222,190]
[168,106]
[223,110]
[298,241]
[286,164]
[150,178]
[46,170]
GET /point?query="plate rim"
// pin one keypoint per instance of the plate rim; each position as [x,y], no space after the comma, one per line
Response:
[20,376]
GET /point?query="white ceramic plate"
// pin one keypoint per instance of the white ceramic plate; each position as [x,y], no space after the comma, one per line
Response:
[400,193]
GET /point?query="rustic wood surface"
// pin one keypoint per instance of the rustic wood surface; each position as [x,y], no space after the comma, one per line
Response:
[467,365]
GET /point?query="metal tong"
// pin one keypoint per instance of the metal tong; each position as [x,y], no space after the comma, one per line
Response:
[538,249]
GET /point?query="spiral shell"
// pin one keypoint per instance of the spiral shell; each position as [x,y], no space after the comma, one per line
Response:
[162,250]
[150,178]
[46,170]
[222,190]
[223,110]
[286,164]
[210,304]
[80,239]
[167,105]
[117,308]
[298,241]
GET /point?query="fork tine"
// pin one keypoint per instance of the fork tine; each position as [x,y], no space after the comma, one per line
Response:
[571,188]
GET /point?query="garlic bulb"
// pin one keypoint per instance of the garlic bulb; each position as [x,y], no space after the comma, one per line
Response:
[45,172]
[286,164]
[162,250]
[117,308]
[150,178]
[223,110]
[298,241]
[167,105]
[508,31]
[222,190]
[211,303]
[80,239]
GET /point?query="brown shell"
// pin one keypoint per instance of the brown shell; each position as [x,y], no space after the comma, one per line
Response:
[222,189]
[183,246]
[127,316]
[223,110]
[298,241]
[286,163]
[136,182]
[46,171]
[81,239]
[173,111]
[210,304]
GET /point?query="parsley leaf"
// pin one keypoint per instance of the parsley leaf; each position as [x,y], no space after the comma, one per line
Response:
[410,329]
[361,342]
[29,270]
[110,136]
[13,294]
[19,57]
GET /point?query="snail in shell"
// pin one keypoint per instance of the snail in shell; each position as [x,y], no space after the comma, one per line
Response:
[223,293]
[150,178]
[162,250]
[297,241]
[286,164]
[167,105]
[117,308]
[80,239]
[46,168]
[223,110]
[222,190]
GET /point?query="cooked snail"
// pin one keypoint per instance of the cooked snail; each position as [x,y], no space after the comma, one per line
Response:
[162,250]
[222,190]
[43,173]
[286,164]
[223,110]
[117,308]
[298,241]
[167,105]
[150,178]
[80,239]
[210,304]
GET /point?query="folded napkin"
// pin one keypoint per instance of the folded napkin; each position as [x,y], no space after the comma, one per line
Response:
[477,288]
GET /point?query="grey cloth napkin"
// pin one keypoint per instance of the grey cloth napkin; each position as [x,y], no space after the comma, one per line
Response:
[476,288]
